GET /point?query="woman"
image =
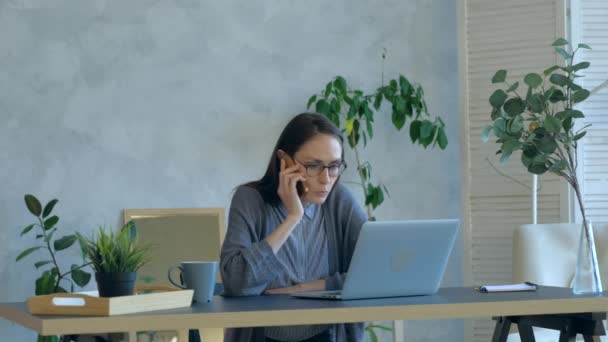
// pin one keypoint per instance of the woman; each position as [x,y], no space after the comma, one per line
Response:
[294,229]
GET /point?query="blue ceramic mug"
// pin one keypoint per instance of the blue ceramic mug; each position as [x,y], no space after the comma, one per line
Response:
[198,276]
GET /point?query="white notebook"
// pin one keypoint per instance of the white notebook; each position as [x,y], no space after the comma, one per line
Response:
[508,287]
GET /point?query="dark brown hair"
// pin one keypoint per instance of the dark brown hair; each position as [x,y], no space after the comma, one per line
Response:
[298,131]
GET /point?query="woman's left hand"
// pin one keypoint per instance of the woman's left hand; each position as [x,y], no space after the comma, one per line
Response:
[315,285]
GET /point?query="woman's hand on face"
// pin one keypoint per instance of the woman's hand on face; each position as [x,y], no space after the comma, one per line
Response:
[288,192]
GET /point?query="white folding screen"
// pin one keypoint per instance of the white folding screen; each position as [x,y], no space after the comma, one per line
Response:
[515,35]
[590,26]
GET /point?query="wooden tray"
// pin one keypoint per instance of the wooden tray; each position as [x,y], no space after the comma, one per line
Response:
[89,304]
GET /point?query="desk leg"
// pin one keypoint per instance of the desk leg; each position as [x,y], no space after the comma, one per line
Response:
[526,334]
[589,338]
[501,331]
[566,336]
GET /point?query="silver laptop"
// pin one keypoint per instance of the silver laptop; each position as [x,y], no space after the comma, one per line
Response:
[395,259]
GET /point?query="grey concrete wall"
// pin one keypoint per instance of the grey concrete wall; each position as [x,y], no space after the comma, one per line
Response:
[110,104]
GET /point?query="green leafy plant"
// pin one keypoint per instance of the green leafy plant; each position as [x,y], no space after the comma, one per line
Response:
[373,336]
[541,124]
[52,279]
[353,111]
[112,252]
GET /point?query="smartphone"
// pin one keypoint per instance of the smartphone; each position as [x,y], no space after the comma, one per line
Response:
[289,163]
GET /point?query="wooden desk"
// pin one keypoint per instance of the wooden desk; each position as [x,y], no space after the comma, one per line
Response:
[284,310]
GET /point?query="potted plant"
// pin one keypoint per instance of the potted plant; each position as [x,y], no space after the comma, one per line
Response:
[541,125]
[116,257]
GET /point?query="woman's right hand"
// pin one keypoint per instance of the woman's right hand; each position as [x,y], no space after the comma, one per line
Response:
[288,192]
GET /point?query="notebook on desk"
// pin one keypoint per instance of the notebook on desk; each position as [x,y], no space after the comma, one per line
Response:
[395,259]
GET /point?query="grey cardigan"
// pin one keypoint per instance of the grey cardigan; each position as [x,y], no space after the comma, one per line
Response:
[248,264]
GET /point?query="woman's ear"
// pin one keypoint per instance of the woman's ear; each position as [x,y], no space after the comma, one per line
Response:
[281,154]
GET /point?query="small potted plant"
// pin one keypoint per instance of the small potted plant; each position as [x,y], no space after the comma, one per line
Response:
[116,257]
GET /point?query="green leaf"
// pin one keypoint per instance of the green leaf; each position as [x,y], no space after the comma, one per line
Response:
[42,263]
[27,252]
[496,113]
[527,157]
[398,119]
[64,242]
[536,103]
[581,95]
[33,205]
[322,107]
[514,106]
[577,114]
[49,207]
[381,327]
[426,129]
[579,136]
[442,139]
[27,229]
[533,80]
[504,157]
[552,124]
[399,105]
[547,144]
[559,80]
[485,134]
[335,105]
[499,76]
[50,222]
[513,87]
[584,46]
[80,277]
[580,66]
[537,168]
[548,71]
[415,130]
[370,128]
[405,85]
[515,125]
[311,100]
[498,98]
[378,101]
[510,145]
[340,84]
[500,127]
[560,42]
[563,53]
[556,96]
[567,123]
[393,86]
[575,87]
[328,88]
[46,283]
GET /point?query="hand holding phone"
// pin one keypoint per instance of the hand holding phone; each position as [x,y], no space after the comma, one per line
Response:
[290,185]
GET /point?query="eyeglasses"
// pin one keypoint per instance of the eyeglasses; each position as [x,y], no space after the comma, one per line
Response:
[333,169]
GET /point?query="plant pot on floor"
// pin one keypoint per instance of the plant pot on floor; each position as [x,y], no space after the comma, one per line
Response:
[115,284]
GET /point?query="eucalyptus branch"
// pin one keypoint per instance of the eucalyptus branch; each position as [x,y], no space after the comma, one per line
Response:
[549,143]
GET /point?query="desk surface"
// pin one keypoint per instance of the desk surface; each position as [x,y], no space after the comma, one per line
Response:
[284,310]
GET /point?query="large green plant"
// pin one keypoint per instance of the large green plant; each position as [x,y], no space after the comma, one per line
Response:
[112,252]
[53,279]
[541,123]
[353,111]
